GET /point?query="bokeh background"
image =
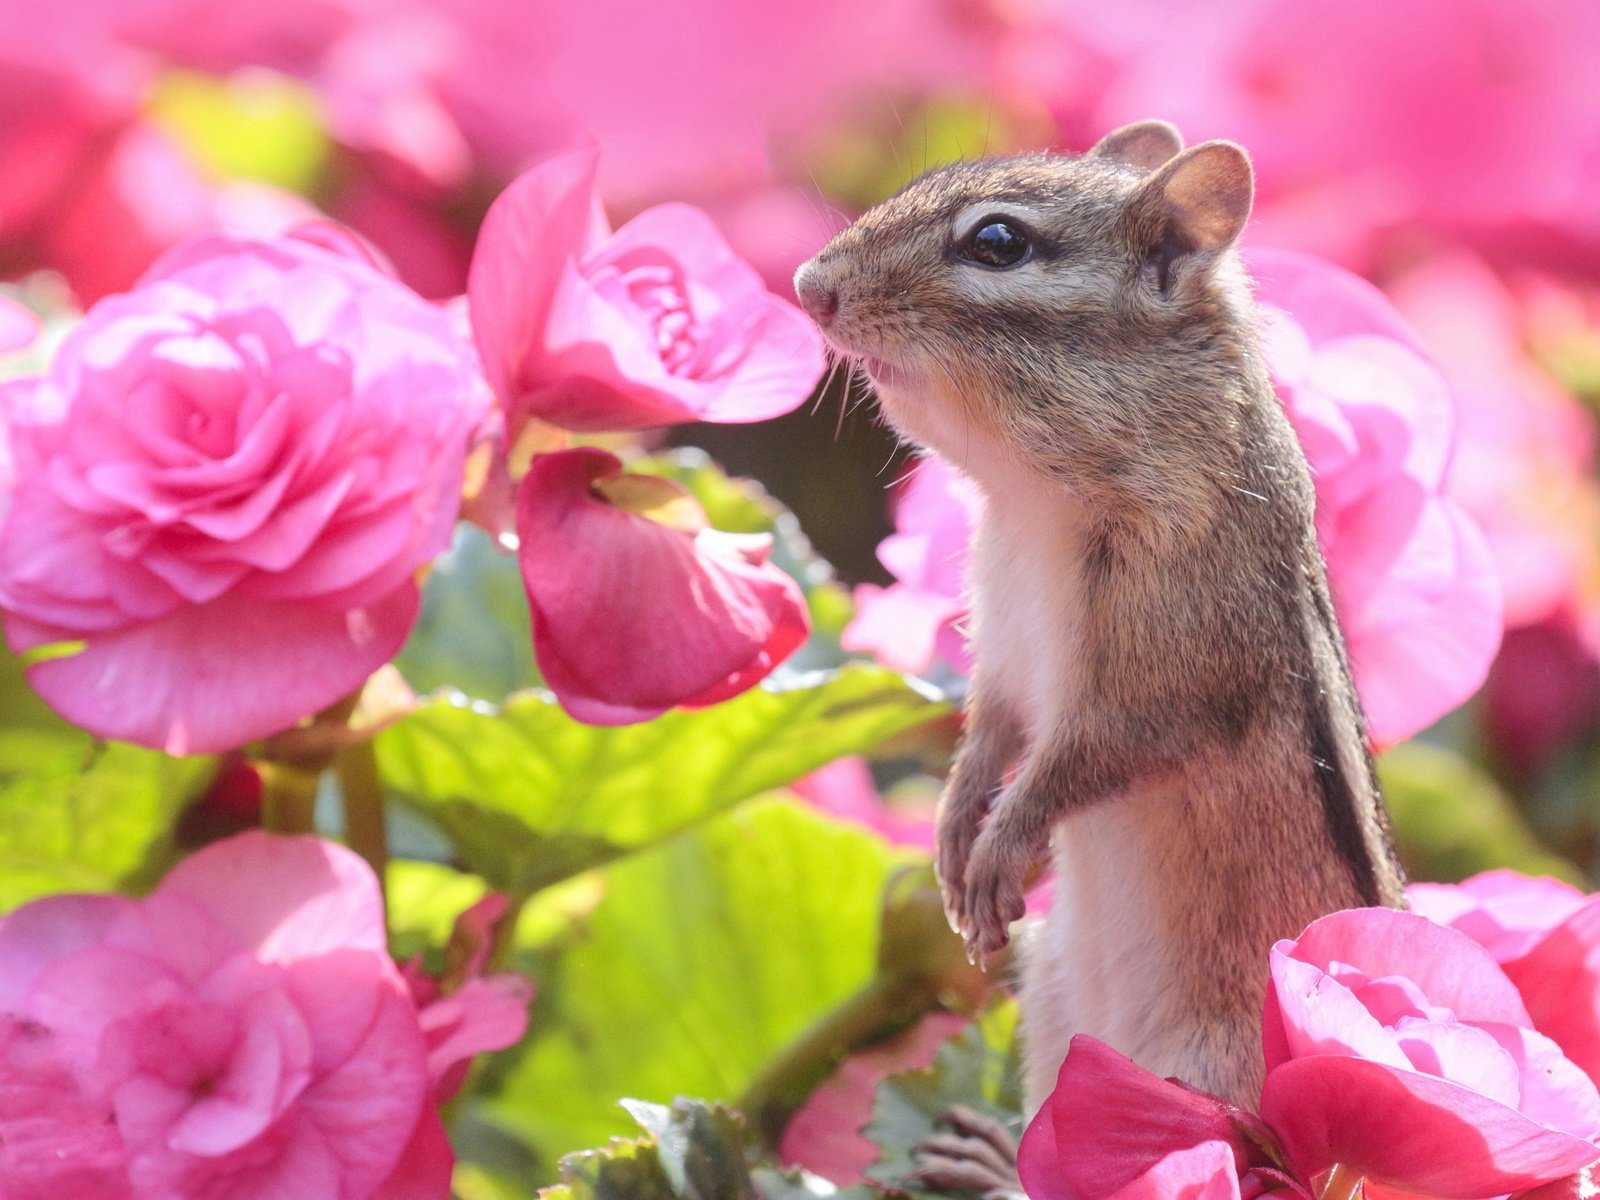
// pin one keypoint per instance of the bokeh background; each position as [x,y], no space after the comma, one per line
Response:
[1447,150]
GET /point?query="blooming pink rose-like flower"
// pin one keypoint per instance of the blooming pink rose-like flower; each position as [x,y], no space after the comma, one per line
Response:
[1112,1129]
[918,617]
[1412,578]
[632,616]
[1397,1047]
[240,1032]
[1545,935]
[224,486]
[657,323]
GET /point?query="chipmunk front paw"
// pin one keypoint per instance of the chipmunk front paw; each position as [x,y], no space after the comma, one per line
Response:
[992,894]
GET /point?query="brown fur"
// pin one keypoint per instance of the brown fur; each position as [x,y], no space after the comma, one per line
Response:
[1112,390]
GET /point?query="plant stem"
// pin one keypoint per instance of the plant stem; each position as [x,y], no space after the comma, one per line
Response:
[288,797]
[362,792]
[884,1008]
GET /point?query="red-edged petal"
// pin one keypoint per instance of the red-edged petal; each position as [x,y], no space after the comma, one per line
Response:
[1111,1121]
[630,617]
[1411,1131]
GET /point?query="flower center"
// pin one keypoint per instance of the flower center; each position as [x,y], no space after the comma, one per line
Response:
[657,290]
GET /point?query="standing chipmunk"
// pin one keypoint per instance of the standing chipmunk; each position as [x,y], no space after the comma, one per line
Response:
[1157,656]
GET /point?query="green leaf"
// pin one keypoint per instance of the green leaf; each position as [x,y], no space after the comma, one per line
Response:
[706,958]
[473,633]
[77,814]
[692,1151]
[1451,821]
[529,796]
[979,1068]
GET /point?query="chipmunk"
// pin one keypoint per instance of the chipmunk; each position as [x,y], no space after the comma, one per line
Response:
[1161,688]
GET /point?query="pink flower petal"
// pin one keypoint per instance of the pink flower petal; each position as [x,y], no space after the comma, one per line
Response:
[1452,1142]
[202,688]
[19,325]
[47,930]
[548,216]
[630,617]
[1110,1121]
[1559,979]
[1448,967]
[284,898]
[1206,1172]
[1504,911]
[424,1169]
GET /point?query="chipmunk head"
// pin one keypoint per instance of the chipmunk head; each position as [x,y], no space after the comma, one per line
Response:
[1025,299]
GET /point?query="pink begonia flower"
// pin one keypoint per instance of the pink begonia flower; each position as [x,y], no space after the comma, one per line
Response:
[918,618]
[825,1136]
[1545,935]
[465,1012]
[1412,579]
[1526,452]
[1398,1047]
[1112,1129]
[632,616]
[239,1032]
[224,486]
[844,789]
[657,323]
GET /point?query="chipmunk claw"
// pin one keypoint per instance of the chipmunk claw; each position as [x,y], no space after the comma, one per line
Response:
[977,1156]
[993,901]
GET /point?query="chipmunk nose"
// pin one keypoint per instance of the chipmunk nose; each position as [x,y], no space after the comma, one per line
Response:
[816,297]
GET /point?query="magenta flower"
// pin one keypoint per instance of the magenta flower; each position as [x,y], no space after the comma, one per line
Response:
[918,617]
[224,486]
[1413,581]
[633,616]
[1398,1048]
[657,323]
[240,1032]
[1112,1129]
[1545,935]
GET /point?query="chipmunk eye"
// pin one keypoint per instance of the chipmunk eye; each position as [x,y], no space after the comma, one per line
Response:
[997,243]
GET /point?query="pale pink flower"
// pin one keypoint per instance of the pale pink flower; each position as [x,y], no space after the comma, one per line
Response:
[1398,1047]
[19,325]
[1413,582]
[1545,935]
[241,1031]
[224,486]
[919,617]
[633,616]
[657,323]
[1112,1129]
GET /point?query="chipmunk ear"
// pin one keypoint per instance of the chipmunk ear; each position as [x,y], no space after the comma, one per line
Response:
[1144,144]
[1195,203]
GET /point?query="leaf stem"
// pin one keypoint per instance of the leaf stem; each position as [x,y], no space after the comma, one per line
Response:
[288,797]
[361,790]
[886,1007]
